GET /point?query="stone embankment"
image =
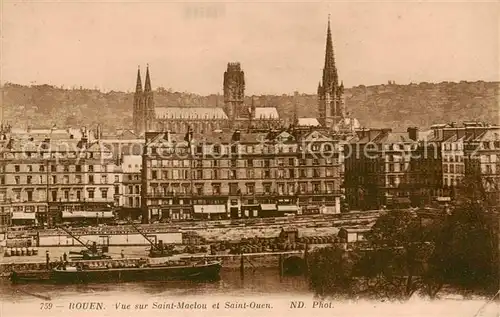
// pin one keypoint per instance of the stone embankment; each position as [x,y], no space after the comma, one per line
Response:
[207,231]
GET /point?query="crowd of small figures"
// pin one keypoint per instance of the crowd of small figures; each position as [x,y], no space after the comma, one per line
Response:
[20,252]
[257,245]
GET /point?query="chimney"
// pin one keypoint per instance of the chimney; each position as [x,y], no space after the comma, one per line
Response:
[413,133]
[83,141]
[236,135]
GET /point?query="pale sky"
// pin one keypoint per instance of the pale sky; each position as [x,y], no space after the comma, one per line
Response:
[280,45]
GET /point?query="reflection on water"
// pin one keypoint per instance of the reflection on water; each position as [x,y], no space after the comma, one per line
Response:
[258,282]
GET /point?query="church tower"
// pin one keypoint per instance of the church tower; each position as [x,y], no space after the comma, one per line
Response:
[330,93]
[234,92]
[149,105]
[144,107]
[138,112]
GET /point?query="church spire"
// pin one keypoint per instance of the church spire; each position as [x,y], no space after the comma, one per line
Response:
[147,83]
[138,85]
[330,77]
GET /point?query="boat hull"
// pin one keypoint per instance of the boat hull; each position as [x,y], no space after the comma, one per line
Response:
[204,272]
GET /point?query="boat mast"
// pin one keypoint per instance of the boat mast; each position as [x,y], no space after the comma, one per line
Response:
[76,238]
[142,234]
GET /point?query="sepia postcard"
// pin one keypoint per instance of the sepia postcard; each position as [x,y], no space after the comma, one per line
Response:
[238,158]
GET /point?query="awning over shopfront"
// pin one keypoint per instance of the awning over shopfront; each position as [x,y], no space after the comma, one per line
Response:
[87,214]
[209,209]
[23,216]
[268,206]
[287,208]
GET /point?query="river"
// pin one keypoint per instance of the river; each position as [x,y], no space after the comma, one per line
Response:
[270,294]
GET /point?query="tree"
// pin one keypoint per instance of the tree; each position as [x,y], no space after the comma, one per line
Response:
[330,271]
[401,249]
[469,251]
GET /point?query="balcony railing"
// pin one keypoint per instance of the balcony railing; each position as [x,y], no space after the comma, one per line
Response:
[243,194]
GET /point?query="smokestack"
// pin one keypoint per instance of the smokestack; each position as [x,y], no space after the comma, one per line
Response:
[413,133]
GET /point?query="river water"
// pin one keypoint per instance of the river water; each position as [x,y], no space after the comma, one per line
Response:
[264,290]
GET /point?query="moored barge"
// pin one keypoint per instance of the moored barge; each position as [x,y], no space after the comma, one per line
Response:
[124,270]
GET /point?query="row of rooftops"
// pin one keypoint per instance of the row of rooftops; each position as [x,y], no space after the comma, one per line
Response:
[468,131]
[452,132]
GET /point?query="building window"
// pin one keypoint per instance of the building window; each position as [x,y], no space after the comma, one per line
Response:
[30,195]
[91,179]
[233,189]
[91,168]
[18,180]
[17,168]
[249,163]
[53,168]
[316,188]
[250,188]
[250,173]
[41,168]
[267,188]
[78,195]
[66,194]
[30,168]
[117,189]
[66,168]
[66,179]
[28,179]
[216,189]
[233,174]
[104,179]
[130,202]
[91,194]
[54,195]
[316,173]
[137,189]
[199,189]
[154,175]
[78,179]
[78,168]
[104,193]
[329,188]
[117,178]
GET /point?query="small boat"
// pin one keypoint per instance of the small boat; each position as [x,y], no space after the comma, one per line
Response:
[124,270]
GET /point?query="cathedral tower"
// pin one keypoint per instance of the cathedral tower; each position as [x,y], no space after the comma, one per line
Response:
[149,105]
[234,92]
[144,108]
[138,112]
[330,93]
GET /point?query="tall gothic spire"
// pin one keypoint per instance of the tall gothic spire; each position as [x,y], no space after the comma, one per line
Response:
[330,77]
[147,83]
[138,85]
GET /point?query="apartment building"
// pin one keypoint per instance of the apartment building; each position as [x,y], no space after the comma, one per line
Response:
[130,201]
[377,168]
[482,159]
[238,174]
[50,181]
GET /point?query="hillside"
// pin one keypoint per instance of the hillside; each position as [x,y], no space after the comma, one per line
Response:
[396,106]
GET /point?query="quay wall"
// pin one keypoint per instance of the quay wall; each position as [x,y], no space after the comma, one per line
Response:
[209,234]
[110,239]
